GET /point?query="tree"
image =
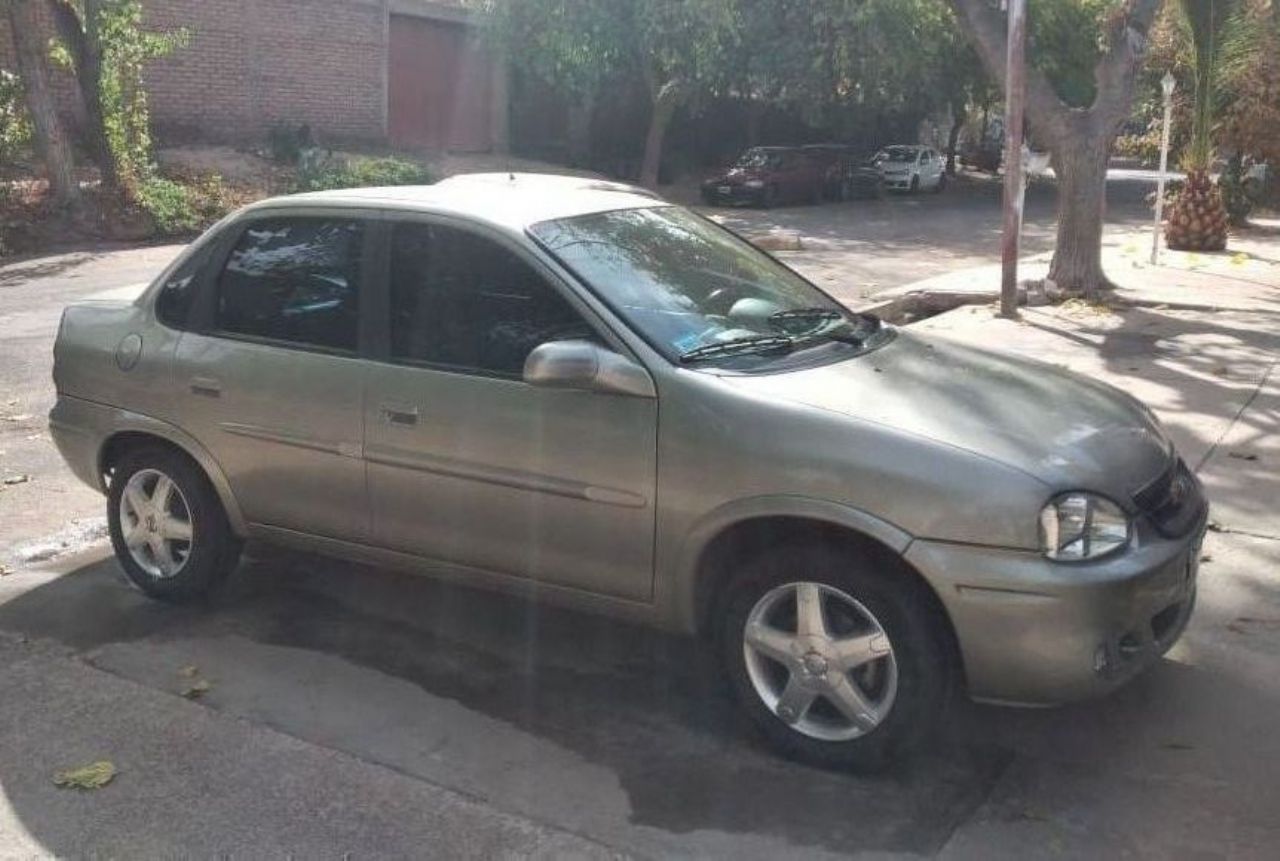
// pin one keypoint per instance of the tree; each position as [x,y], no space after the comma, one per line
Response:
[103,44]
[1197,217]
[677,48]
[52,139]
[1077,101]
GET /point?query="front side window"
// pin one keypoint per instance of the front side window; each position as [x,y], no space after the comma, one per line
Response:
[295,280]
[692,287]
[462,301]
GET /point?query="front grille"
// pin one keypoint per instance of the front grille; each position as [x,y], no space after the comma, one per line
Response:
[1174,501]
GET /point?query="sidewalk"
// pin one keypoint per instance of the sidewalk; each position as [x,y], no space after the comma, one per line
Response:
[1245,277]
[1192,774]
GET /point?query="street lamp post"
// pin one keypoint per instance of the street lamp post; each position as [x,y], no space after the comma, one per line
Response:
[1166,84]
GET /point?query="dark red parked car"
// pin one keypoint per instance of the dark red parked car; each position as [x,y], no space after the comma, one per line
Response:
[769,175]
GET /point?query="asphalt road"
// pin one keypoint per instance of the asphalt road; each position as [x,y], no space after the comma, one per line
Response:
[364,711]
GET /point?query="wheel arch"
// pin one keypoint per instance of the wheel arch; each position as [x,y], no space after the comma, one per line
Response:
[152,432]
[746,527]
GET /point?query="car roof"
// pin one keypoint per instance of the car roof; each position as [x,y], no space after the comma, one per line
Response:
[509,200]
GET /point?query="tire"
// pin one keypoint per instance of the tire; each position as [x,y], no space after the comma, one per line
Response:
[769,199]
[909,685]
[160,561]
[941,186]
[915,184]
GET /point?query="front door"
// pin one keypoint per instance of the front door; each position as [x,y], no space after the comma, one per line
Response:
[467,462]
[271,382]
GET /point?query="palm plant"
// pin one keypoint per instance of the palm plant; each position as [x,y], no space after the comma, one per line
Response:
[1197,216]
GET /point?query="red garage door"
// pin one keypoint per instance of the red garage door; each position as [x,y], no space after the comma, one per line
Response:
[439,87]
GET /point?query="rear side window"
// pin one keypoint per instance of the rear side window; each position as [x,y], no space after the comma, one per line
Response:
[294,280]
[464,302]
[173,304]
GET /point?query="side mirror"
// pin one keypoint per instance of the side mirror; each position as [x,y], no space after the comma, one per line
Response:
[587,366]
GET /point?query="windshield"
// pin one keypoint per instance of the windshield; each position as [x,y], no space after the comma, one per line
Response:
[758,158]
[693,289]
[898,153]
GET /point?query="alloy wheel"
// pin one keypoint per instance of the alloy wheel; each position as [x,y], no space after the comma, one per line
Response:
[820,661]
[155,521]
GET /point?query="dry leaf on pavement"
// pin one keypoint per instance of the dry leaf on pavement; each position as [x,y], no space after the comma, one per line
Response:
[10,480]
[196,689]
[93,776]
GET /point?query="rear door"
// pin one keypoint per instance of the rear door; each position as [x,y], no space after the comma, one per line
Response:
[270,379]
[467,462]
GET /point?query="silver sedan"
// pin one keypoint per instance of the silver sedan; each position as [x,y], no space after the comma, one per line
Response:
[575,391]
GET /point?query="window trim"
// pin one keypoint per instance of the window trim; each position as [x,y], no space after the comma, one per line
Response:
[204,310]
[530,256]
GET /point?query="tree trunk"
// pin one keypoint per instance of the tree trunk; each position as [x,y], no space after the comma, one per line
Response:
[579,130]
[81,40]
[51,136]
[664,108]
[1080,162]
[958,118]
[755,113]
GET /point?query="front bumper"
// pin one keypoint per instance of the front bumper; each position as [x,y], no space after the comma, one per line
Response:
[903,181]
[723,193]
[1035,632]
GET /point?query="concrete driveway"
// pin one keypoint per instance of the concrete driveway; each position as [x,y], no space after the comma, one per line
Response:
[352,710]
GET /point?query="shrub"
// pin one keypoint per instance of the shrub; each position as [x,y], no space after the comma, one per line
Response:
[320,171]
[169,204]
[287,142]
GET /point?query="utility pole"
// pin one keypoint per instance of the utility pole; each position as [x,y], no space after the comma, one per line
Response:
[1015,98]
[1167,83]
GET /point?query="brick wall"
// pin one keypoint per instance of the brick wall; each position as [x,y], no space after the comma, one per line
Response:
[252,64]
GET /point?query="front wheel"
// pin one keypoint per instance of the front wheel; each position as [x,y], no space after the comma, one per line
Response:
[167,525]
[915,184]
[941,186]
[837,657]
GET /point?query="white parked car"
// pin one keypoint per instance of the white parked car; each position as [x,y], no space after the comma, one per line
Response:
[912,168]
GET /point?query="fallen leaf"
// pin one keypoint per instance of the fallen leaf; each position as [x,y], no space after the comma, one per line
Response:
[1239,259]
[189,672]
[1221,371]
[93,776]
[196,689]
[1177,745]
[11,480]
[5,570]
[20,417]
[1206,558]
[1236,628]
[1242,455]
[1215,526]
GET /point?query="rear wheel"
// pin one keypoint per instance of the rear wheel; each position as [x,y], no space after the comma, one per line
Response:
[837,658]
[167,525]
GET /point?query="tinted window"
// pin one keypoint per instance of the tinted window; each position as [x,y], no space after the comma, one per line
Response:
[463,301]
[296,280]
[173,304]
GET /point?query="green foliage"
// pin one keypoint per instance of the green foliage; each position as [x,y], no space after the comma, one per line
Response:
[319,171]
[169,204]
[15,125]
[126,48]
[1065,41]
[1238,195]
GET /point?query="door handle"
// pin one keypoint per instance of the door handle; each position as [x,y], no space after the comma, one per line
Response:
[394,414]
[206,386]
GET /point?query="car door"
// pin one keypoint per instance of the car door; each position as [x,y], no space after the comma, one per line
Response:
[270,378]
[471,465]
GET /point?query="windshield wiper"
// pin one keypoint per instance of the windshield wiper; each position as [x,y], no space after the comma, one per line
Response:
[744,346]
[851,333]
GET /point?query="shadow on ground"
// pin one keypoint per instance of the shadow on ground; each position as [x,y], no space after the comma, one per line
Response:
[325,651]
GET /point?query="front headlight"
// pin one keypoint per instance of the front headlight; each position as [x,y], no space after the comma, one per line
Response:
[1077,526]
[754,183]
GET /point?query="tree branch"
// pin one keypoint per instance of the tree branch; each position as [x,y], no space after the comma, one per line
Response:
[988,30]
[1117,71]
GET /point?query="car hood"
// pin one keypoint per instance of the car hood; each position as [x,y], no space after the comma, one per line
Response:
[1062,428]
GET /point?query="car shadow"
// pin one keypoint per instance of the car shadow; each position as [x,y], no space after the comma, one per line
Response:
[328,646]
[649,708]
